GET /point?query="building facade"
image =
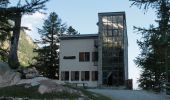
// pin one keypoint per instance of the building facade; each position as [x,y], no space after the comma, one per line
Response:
[97,59]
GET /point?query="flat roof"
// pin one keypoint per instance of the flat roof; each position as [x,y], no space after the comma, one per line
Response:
[111,13]
[80,36]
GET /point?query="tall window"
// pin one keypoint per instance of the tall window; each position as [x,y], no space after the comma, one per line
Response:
[75,76]
[94,75]
[65,75]
[84,56]
[85,75]
[95,56]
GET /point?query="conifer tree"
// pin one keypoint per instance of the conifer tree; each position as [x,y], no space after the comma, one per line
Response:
[48,55]
[154,58]
[4,31]
[71,31]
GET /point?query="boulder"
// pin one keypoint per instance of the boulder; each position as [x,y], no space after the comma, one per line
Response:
[8,76]
[3,68]
[29,73]
[32,82]
[6,98]
[50,86]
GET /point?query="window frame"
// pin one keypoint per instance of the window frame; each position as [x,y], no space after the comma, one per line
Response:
[75,75]
[94,75]
[85,75]
[95,56]
[84,56]
[63,76]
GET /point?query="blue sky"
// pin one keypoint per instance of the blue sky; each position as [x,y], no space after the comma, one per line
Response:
[83,16]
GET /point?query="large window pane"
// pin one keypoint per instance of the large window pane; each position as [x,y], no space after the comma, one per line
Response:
[87,56]
[110,40]
[75,76]
[62,76]
[94,75]
[65,75]
[81,56]
[84,56]
[104,19]
[85,76]
[109,33]
[95,56]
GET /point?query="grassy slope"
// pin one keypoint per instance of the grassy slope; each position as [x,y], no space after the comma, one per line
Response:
[32,93]
[21,92]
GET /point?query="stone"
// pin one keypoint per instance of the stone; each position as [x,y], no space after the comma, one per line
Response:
[6,98]
[8,76]
[43,89]
[33,82]
[29,73]
[50,86]
[3,68]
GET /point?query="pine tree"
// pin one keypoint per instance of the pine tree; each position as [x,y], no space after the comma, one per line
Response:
[4,31]
[4,3]
[153,59]
[71,31]
[48,55]
[4,23]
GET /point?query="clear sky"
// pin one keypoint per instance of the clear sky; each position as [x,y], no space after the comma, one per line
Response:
[83,16]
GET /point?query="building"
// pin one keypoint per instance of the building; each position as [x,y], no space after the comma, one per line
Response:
[97,59]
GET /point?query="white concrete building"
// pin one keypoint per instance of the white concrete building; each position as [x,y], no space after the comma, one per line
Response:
[97,59]
[76,59]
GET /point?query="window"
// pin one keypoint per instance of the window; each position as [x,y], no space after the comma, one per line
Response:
[65,75]
[85,75]
[95,56]
[84,56]
[94,75]
[75,76]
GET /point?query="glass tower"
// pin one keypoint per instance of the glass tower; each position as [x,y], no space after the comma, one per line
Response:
[112,48]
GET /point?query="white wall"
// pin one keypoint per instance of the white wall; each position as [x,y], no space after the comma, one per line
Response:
[72,48]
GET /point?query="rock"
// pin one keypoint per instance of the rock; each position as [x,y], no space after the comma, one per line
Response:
[43,89]
[3,68]
[6,98]
[29,73]
[33,82]
[12,98]
[49,86]
[8,76]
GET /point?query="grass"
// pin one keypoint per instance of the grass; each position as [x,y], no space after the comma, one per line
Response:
[32,93]
[20,91]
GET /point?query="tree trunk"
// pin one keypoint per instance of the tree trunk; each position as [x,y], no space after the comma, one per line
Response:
[13,57]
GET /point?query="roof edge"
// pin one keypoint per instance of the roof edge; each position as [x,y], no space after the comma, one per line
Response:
[81,36]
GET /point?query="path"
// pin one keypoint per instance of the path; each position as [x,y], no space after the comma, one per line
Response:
[131,94]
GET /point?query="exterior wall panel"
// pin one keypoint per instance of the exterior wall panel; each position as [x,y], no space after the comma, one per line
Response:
[72,48]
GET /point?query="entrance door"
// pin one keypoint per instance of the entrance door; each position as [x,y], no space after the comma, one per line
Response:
[110,79]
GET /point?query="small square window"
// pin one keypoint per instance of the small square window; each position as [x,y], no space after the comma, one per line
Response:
[85,75]
[65,75]
[84,56]
[75,76]
[95,56]
[94,75]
